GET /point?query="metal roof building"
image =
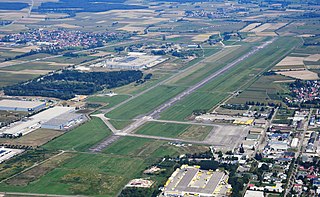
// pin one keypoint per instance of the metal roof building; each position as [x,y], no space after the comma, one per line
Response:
[192,181]
[64,121]
[19,105]
[134,61]
[34,122]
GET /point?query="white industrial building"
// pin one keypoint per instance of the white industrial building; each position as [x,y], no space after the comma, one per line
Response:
[20,105]
[7,153]
[133,61]
[64,121]
[34,122]
[252,193]
[278,145]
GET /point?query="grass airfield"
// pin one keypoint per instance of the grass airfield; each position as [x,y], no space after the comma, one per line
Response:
[63,164]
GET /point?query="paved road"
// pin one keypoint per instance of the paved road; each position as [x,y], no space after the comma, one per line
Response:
[156,113]
[106,122]
[298,154]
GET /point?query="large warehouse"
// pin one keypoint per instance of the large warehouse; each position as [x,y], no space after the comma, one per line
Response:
[191,181]
[19,105]
[36,121]
[133,61]
[64,121]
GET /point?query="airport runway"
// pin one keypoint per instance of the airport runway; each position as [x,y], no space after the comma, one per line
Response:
[156,113]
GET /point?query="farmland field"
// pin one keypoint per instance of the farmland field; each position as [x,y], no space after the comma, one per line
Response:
[11,78]
[102,174]
[88,174]
[34,66]
[34,139]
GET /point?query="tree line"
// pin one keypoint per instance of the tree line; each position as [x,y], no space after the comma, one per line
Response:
[68,83]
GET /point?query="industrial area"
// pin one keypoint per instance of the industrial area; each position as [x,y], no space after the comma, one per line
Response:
[191,181]
[40,116]
[133,61]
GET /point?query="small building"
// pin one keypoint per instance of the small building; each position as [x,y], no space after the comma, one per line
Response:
[278,145]
[140,183]
[251,193]
[20,105]
[294,142]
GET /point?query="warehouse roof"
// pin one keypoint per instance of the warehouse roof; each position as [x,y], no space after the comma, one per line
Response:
[25,127]
[20,103]
[63,119]
[193,180]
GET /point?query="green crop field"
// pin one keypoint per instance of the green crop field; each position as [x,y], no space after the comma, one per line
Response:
[81,138]
[265,89]
[7,78]
[101,174]
[33,66]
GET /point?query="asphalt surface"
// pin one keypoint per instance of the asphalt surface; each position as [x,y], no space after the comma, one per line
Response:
[156,113]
